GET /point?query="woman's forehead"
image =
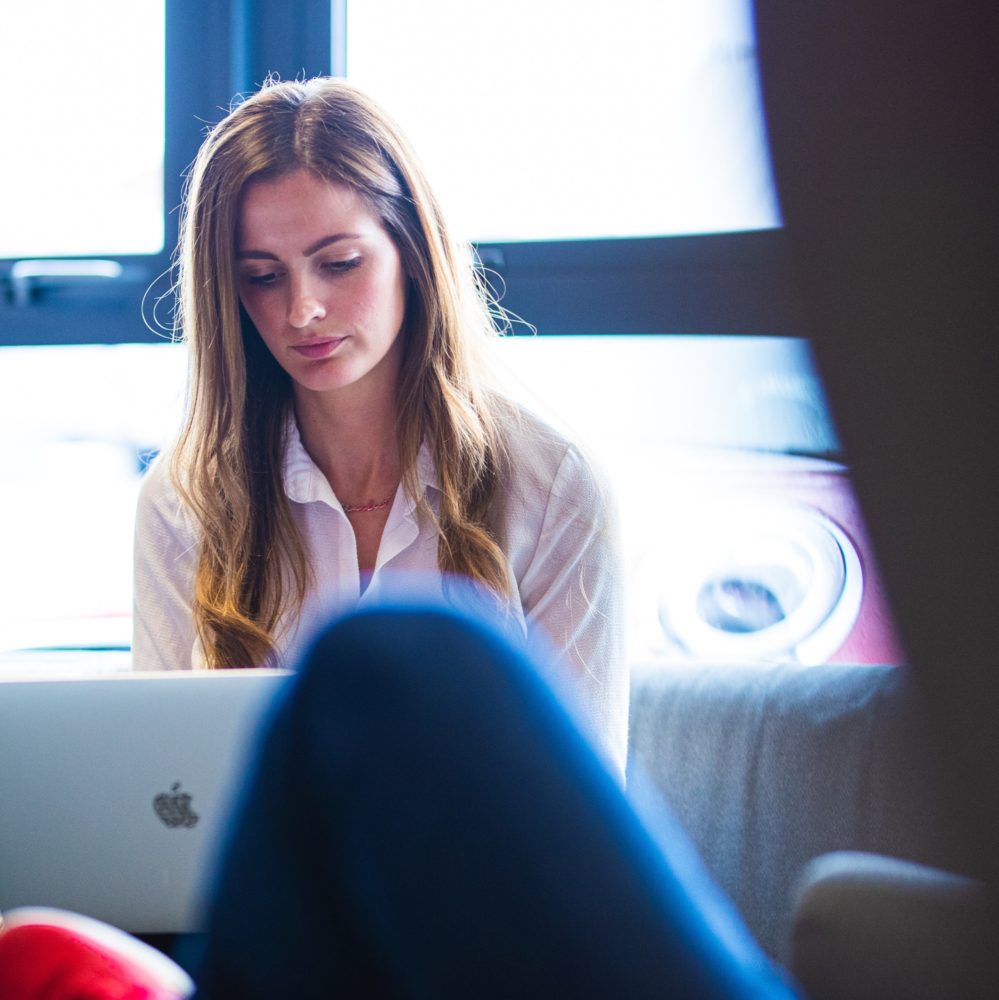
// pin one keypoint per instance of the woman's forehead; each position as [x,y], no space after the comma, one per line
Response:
[298,205]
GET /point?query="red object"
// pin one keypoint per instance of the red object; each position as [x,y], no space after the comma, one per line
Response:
[57,956]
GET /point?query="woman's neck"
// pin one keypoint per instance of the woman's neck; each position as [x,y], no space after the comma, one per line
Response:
[352,441]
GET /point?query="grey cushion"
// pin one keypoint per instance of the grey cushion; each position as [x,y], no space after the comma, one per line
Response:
[769,767]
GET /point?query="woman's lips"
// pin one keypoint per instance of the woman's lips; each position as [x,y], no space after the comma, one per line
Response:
[315,349]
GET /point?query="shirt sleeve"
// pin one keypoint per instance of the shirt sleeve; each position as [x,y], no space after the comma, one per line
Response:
[165,560]
[572,593]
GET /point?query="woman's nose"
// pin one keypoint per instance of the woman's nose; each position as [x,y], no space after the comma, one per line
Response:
[304,306]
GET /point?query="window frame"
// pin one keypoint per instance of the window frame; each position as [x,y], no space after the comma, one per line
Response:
[718,284]
[715,284]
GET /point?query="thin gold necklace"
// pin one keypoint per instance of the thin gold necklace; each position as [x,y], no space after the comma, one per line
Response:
[366,508]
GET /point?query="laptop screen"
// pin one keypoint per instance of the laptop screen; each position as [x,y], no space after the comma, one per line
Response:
[118,789]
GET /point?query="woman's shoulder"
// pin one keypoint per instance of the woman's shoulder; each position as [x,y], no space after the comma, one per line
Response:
[525,431]
[158,494]
[157,484]
[541,456]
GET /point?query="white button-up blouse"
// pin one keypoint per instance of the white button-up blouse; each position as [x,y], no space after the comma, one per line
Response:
[559,535]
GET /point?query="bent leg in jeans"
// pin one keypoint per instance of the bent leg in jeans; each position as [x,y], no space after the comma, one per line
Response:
[426,821]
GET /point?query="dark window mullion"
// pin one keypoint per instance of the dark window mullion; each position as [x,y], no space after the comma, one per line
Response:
[288,39]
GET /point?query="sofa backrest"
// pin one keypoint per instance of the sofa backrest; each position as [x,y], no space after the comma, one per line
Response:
[768,767]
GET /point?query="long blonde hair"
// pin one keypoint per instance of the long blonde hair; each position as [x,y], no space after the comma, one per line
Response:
[229,459]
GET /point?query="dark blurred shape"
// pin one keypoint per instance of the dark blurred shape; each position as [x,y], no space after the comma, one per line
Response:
[883,132]
[938,944]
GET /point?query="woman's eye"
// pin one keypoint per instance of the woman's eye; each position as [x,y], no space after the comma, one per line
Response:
[341,266]
[261,279]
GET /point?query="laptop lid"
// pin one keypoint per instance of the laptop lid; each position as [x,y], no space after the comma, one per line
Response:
[115,790]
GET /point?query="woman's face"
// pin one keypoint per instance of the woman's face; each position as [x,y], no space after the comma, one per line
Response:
[322,281]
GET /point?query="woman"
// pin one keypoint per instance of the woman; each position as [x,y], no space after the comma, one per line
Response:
[340,432]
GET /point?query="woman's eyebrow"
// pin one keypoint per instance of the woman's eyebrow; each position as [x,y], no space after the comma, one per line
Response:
[311,249]
[326,241]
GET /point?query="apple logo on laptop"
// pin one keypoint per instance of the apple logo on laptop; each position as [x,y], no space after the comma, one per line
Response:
[174,807]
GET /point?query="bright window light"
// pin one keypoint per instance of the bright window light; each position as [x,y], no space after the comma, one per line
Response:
[567,119]
[84,111]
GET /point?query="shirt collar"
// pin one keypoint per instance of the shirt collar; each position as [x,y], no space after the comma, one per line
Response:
[303,482]
[426,470]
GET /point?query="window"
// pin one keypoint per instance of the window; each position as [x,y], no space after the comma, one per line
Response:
[578,251]
[610,160]
[575,120]
[592,228]
[114,97]
[100,195]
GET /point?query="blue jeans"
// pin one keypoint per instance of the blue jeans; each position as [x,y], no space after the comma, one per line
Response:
[424,820]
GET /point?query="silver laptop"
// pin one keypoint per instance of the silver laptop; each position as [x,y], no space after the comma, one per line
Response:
[115,790]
